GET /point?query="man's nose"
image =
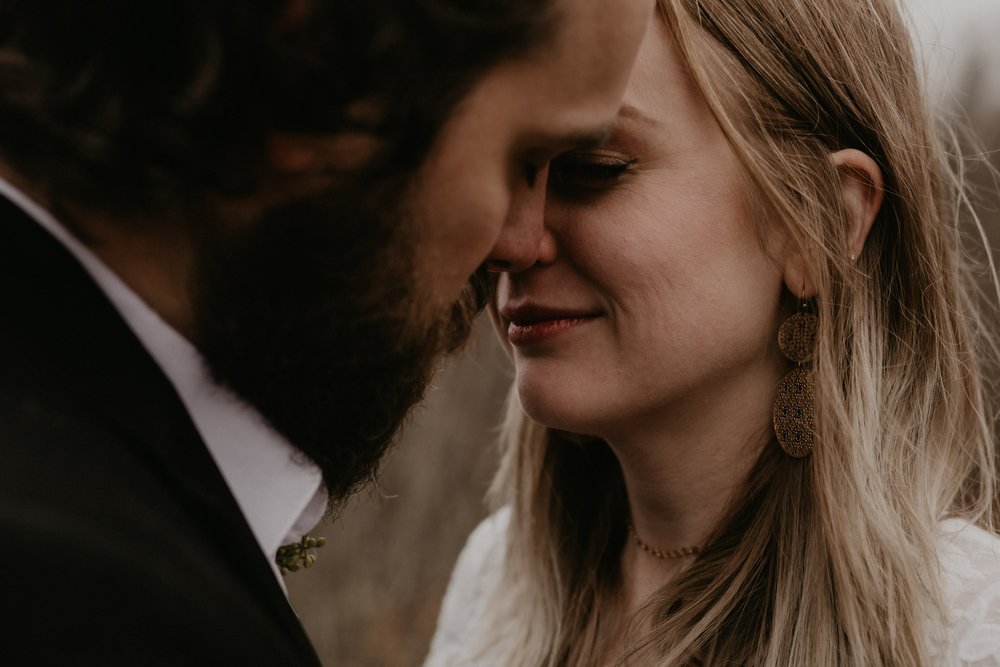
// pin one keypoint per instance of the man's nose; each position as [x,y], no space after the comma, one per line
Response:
[518,246]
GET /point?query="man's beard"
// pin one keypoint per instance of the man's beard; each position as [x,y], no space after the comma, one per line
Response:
[314,315]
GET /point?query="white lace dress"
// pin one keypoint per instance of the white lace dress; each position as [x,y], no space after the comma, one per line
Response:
[970,560]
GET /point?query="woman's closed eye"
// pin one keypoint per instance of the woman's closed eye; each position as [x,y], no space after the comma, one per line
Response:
[585,171]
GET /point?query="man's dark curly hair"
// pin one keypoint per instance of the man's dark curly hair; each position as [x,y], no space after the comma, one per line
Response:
[131,104]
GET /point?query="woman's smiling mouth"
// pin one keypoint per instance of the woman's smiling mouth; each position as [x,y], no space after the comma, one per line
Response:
[529,324]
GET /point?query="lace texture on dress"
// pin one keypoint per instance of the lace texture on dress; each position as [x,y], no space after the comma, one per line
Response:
[970,569]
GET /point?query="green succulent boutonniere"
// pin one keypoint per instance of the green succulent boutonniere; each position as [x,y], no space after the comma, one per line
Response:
[292,557]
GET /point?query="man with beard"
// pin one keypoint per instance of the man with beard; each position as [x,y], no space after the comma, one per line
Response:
[234,240]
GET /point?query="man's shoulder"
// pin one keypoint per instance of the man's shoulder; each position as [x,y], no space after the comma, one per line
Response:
[82,593]
[71,479]
[53,440]
[105,564]
[107,559]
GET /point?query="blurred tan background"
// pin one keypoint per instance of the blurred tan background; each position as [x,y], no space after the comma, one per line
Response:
[373,596]
[372,599]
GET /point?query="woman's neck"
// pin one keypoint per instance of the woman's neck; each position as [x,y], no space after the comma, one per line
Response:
[682,468]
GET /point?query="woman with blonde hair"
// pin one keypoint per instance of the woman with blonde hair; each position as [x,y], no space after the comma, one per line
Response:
[750,363]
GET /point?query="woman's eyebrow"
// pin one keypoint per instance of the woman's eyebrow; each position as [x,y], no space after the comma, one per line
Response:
[570,139]
[635,114]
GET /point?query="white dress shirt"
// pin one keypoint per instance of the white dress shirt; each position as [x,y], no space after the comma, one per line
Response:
[279,491]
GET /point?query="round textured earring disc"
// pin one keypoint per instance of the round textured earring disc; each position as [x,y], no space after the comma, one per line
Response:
[797,336]
[794,413]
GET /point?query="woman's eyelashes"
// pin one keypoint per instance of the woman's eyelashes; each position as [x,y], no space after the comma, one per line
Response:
[586,171]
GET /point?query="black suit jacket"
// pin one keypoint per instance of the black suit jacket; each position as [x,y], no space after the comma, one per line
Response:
[120,543]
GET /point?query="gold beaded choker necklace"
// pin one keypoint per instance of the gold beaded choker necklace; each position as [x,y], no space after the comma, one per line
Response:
[663,554]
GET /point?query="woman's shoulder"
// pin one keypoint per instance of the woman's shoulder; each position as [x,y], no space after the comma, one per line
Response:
[480,564]
[970,568]
[462,623]
[488,539]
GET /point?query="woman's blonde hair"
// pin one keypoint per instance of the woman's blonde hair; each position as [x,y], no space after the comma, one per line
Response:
[829,560]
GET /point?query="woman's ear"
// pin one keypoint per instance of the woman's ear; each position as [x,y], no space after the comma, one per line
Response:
[863,190]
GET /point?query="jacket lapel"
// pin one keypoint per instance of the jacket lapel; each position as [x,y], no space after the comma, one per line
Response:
[50,300]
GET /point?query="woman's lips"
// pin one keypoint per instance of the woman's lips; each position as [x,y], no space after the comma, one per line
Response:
[537,332]
[528,323]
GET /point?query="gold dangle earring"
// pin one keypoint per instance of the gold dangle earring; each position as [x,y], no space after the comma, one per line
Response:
[794,414]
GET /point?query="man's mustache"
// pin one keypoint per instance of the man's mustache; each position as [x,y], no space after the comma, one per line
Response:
[476,294]
[482,288]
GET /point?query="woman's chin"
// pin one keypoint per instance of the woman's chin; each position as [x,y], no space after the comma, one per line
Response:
[561,410]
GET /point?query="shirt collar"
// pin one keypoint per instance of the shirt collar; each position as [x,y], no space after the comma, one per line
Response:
[279,490]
